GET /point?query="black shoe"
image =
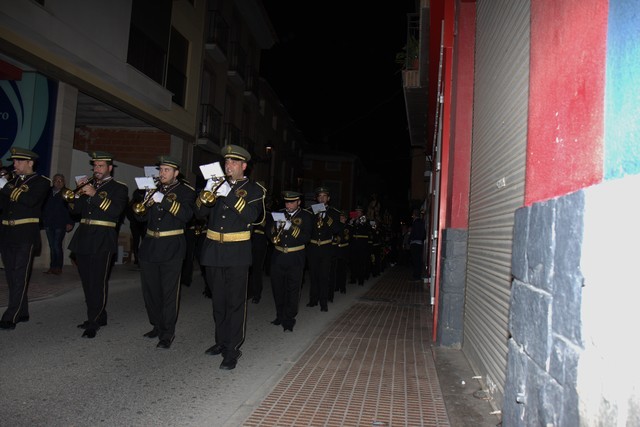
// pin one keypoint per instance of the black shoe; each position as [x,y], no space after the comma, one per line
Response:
[276,321]
[151,334]
[287,328]
[255,300]
[89,333]
[229,362]
[166,343]
[312,304]
[22,319]
[86,324]
[214,350]
[7,325]
[324,309]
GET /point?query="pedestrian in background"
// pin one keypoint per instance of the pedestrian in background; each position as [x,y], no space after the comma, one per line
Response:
[417,237]
[56,221]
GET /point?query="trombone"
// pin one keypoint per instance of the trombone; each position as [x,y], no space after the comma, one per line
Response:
[69,195]
[208,197]
[141,207]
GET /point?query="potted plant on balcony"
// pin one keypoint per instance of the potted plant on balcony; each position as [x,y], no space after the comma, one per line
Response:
[408,56]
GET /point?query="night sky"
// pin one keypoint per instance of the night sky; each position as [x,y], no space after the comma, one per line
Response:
[334,70]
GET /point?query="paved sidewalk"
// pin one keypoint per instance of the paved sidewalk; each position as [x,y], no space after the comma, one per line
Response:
[368,361]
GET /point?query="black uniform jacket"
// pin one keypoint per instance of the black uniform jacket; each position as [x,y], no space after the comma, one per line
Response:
[323,230]
[293,241]
[105,208]
[230,222]
[21,201]
[341,242]
[166,222]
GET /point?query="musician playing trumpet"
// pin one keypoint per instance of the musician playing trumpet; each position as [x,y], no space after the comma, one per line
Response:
[226,250]
[289,229]
[100,205]
[21,200]
[164,247]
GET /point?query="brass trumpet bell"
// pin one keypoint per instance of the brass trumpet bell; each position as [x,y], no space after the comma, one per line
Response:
[207,198]
[69,195]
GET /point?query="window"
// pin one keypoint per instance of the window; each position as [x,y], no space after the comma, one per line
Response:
[332,166]
[149,37]
[177,69]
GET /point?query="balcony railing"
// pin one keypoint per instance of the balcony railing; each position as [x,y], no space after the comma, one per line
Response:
[231,134]
[210,123]
[237,61]
[218,34]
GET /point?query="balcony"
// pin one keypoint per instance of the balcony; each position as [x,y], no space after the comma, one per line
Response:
[232,134]
[237,64]
[252,84]
[210,123]
[217,36]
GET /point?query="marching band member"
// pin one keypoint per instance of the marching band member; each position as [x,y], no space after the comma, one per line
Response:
[21,200]
[100,202]
[320,251]
[289,238]
[237,204]
[167,209]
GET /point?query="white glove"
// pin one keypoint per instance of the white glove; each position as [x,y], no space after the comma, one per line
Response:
[209,185]
[157,197]
[287,225]
[223,190]
[3,182]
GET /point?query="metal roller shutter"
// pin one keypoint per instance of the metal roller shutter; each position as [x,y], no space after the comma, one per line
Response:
[497,181]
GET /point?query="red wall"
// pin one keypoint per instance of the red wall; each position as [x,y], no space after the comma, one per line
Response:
[463,112]
[134,147]
[566,97]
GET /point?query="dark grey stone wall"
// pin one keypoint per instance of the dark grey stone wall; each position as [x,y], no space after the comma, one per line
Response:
[452,283]
[544,316]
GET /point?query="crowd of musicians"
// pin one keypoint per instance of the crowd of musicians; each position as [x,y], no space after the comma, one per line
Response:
[228,229]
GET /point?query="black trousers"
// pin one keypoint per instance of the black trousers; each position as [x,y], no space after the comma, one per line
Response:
[94,270]
[161,293]
[339,274]
[258,254]
[320,274]
[286,281]
[229,300]
[186,276]
[18,261]
[416,260]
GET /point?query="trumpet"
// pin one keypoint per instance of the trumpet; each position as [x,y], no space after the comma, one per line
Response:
[320,222]
[69,195]
[8,174]
[141,207]
[278,237]
[208,197]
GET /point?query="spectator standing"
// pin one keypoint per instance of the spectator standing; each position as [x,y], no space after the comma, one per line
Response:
[417,237]
[56,221]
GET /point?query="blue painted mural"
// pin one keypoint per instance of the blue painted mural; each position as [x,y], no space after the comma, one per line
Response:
[27,112]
